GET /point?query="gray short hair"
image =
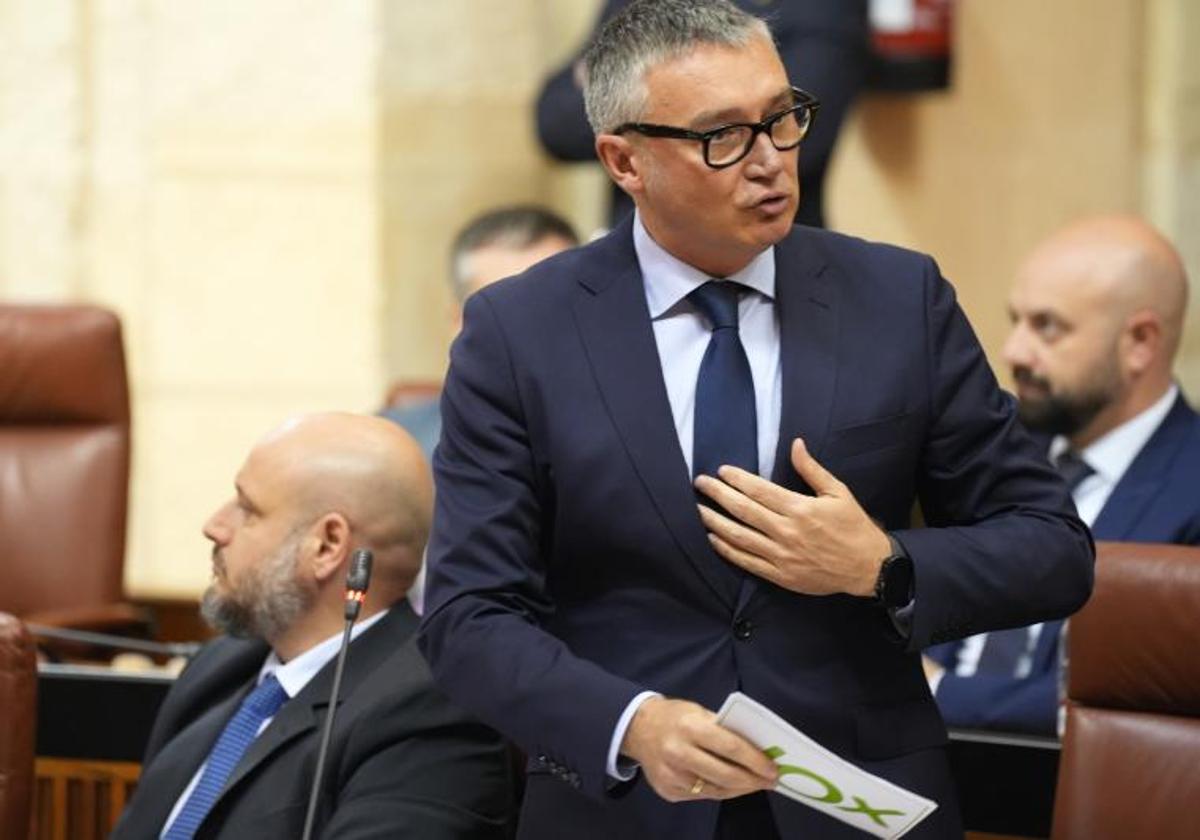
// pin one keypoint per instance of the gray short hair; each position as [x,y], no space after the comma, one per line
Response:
[646,33]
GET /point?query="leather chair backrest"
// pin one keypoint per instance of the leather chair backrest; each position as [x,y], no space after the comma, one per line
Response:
[64,458]
[18,711]
[1131,753]
[404,392]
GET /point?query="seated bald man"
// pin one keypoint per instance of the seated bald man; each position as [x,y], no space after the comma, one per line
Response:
[233,751]
[1097,316]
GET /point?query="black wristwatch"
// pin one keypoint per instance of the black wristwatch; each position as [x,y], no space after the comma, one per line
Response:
[894,586]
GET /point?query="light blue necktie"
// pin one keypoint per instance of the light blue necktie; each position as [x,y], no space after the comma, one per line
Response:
[239,733]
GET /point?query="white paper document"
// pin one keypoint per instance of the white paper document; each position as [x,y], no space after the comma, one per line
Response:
[811,774]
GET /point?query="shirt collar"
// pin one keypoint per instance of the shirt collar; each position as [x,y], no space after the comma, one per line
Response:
[1111,454]
[668,279]
[297,673]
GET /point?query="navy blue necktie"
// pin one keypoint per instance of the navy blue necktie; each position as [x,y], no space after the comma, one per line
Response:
[725,429]
[239,733]
[1002,650]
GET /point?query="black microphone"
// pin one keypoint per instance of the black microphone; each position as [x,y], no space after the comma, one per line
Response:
[358,578]
[357,581]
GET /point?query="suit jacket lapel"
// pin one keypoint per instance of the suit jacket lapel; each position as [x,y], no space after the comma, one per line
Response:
[806,296]
[614,324]
[1123,509]
[806,305]
[306,710]
[168,774]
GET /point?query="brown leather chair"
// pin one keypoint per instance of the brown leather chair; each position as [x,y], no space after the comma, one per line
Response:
[18,711]
[64,467]
[1130,763]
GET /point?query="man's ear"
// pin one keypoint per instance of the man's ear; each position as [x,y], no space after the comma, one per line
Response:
[620,159]
[331,538]
[1141,342]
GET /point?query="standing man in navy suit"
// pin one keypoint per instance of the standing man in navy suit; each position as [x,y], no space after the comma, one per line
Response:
[679,462]
[1097,314]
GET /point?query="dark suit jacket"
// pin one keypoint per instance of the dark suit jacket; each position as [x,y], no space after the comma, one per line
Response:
[824,44]
[1156,500]
[569,568]
[402,761]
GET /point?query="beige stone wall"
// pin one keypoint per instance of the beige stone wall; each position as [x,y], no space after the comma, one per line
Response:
[265,192]
[1057,110]
[457,83]
[42,113]
[1170,159]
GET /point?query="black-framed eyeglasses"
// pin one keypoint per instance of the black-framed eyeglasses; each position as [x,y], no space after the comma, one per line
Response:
[725,145]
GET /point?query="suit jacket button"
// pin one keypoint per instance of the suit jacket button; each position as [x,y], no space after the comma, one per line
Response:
[743,629]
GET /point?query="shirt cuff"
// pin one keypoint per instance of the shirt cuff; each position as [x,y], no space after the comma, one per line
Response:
[622,769]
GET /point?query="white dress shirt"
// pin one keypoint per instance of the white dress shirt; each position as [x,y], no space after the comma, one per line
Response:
[292,676]
[1109,456]
[682,334]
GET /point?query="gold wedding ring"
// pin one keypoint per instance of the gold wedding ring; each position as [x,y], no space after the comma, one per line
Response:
[697,787]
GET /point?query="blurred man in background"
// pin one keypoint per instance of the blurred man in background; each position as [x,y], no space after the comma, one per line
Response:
[233,750]
[1097,313]
[498,244]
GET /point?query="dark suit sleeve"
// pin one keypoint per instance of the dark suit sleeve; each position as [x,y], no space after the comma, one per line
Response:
[488,599]
[421,769]
[1003,546]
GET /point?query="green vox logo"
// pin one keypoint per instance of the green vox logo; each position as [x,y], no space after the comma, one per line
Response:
[833,795]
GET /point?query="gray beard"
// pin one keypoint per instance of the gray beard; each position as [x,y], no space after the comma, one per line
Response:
[268,603]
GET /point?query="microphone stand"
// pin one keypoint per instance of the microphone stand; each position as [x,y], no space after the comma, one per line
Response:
[357,580]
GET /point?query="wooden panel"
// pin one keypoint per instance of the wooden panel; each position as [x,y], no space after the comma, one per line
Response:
[80,800]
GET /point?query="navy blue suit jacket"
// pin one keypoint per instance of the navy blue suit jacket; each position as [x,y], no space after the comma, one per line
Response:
[1157,500]
[569,569]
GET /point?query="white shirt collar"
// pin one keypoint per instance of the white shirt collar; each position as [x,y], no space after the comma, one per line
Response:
[1112,453]
[669,279]
[297,673]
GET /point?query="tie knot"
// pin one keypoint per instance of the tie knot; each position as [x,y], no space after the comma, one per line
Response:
[718,301]
[1072,468]
[266,699]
